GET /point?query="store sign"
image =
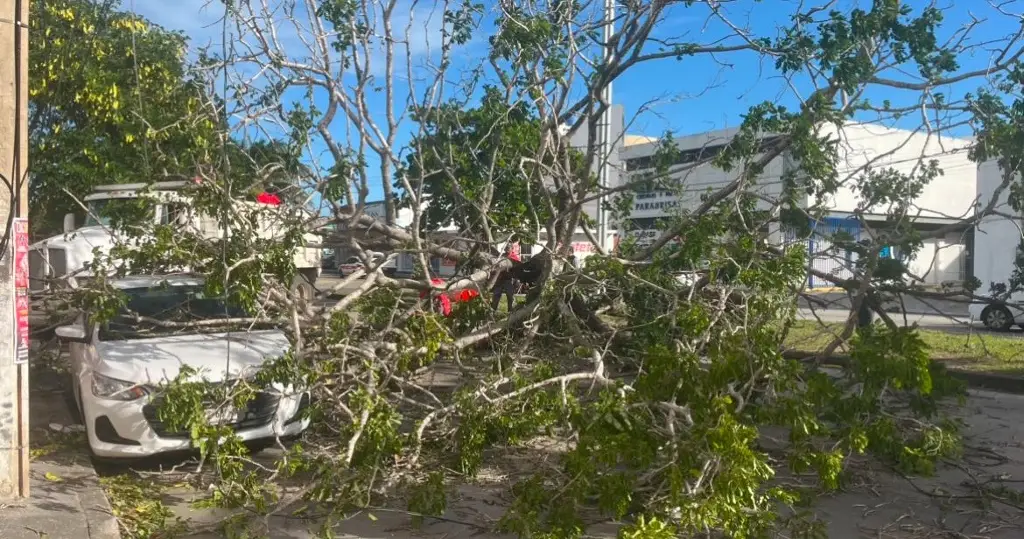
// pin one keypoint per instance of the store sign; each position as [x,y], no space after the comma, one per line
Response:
[377,210]
[660,205]
[647,236]
[582,247]
[22,305]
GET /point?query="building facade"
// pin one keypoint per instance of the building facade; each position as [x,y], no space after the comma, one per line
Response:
[945,202]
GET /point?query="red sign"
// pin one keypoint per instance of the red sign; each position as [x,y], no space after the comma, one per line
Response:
[583,247]
[21,312]
[20,226]
[22,305]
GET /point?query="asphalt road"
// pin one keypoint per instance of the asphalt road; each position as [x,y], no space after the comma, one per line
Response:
[928,321]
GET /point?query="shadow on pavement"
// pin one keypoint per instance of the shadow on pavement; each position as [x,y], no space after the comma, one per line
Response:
[66,501]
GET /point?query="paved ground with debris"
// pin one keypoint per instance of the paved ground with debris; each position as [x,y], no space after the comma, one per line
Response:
[980,497]
[66,500]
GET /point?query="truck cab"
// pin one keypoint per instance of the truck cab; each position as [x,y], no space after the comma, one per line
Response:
[63,260]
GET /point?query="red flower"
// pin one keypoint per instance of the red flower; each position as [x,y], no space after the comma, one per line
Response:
[444,301]
[269,199]
[446,305]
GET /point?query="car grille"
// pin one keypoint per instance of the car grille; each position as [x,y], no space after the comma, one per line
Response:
[58,262]
[258,412]
[36,270]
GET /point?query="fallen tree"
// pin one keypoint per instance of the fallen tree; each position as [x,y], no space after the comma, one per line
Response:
[656,390]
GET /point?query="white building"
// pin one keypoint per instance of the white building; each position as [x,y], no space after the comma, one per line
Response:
[948,200]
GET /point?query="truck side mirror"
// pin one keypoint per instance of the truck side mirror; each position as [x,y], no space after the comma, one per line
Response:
[69,222]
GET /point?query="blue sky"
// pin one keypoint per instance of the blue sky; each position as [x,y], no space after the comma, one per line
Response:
[689,96]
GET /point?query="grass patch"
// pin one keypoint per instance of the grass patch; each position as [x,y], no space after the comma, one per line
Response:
[977,351]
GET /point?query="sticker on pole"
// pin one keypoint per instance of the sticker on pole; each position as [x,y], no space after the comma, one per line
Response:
[21,328]
[21,275]
[22,305]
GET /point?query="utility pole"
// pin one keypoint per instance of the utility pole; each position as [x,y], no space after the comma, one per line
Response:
[14,442]
[605,131]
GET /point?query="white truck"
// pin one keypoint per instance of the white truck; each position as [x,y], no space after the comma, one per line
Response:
[62,259]
[996,240]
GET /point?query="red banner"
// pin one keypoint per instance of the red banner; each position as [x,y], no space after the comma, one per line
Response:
[20,236]
[21,302]
[22,305]
[583,247]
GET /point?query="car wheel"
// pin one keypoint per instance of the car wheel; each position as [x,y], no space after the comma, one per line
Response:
[71,399]
[997,318]
[302,290]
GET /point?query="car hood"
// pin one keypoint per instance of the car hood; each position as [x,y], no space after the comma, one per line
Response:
[217,356]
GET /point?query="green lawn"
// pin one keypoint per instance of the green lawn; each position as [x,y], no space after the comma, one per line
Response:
[980,351]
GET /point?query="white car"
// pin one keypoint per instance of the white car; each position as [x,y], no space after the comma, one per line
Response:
[118,367]
[350,266]
[353,264]
[998,315]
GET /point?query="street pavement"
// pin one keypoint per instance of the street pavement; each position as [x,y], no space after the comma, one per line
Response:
[65,499]
[950,323]
[878,504]
[910,304]
[941,315]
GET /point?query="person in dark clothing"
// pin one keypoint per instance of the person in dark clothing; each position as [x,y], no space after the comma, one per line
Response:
[506,283]
[865,314]
[506,286]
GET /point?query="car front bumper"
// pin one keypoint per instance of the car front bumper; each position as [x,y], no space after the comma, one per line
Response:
[119,429]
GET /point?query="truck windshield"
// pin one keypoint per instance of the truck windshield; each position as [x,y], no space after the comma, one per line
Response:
[125,210]
[97,216]
[174,310]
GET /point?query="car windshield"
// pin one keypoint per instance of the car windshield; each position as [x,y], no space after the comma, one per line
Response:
[174,310]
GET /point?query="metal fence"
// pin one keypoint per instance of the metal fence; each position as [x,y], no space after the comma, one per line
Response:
[822,253]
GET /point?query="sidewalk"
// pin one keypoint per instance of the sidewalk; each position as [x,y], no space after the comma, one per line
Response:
[66,500]
[66,503]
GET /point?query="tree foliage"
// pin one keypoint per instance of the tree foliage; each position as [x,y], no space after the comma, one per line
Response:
[473,167]
[109,96]
[113,100]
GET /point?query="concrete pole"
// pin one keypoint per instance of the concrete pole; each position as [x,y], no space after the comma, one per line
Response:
[605,132]
[14,450]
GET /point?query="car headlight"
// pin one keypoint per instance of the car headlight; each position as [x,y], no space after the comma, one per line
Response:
[106,387]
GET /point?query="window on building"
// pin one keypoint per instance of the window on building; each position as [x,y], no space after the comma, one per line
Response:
[684,157]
